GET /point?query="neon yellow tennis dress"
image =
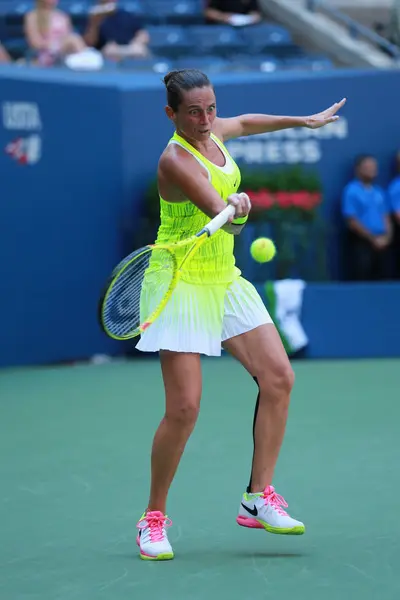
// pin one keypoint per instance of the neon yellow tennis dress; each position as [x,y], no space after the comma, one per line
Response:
[211,302]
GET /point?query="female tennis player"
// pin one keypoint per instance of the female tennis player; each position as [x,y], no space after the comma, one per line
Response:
[213,306]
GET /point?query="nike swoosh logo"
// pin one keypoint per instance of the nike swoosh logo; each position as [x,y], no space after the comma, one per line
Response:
[252,511]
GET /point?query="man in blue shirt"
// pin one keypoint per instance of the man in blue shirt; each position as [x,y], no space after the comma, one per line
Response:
[366,211]
[394,205]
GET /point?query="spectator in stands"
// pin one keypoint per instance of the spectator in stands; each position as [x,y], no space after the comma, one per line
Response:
[366,211]
[50,34]
[394,203]
[4,56]
[233,12]
[116,32]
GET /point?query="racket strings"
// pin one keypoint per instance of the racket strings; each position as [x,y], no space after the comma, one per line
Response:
[137,291]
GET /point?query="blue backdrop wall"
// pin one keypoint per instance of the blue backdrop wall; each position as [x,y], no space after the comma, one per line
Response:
[78,151]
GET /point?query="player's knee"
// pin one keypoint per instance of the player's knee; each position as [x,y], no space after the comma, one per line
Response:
[184,413]
[277,385]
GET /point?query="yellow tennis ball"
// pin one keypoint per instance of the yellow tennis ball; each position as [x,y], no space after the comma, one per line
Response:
[263,250]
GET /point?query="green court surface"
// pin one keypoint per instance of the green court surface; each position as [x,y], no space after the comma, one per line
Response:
[74,476]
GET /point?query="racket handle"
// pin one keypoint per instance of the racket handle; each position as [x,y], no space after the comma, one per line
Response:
[220,220]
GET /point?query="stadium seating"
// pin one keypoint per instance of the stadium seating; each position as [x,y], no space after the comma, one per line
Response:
[180,37]
[169,40]
[172,12]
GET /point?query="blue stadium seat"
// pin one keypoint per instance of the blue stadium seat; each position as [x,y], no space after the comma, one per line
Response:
[133,6]
[222,40]
[262,63]
[12,21]
[11,27]
[169,40]
[178,12]
[6,7]
[307,63]
[75,7]
[207,64]
[269,38]
[16,47]
[19,7]
[266,32]
[179,36]
[151,65]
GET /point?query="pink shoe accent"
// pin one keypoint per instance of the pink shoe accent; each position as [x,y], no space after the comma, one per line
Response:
[275,500]
[248,522]
[155,521]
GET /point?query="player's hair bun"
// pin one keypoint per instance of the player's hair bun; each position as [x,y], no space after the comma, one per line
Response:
[169,76]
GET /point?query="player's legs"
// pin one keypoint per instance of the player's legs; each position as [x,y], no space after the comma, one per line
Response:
[251,337]
[261,352]
[182,381]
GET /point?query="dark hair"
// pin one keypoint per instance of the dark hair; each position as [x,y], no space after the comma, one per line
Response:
[178,81]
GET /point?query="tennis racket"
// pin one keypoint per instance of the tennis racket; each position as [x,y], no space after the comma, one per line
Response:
[152,271]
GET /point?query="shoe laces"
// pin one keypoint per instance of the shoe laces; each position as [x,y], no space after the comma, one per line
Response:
[155,521]
[275,500]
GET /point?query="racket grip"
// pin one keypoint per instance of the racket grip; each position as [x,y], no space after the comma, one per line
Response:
[220,220]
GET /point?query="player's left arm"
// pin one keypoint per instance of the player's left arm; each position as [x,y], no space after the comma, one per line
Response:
[253,124]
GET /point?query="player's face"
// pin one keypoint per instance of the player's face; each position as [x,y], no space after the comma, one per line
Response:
[196,113]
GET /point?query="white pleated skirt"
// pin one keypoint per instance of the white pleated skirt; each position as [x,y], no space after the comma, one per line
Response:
[198,318]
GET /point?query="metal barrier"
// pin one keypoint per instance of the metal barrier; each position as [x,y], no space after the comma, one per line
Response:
[355,29]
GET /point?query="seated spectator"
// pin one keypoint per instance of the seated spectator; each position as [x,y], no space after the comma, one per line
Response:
[50,34]
[394,204]
[366,211]
[4,56]
[233,12]
[116,32]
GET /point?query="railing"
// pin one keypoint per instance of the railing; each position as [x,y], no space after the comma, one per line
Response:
[355,29]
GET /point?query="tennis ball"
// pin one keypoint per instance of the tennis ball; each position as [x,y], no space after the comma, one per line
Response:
[263,250]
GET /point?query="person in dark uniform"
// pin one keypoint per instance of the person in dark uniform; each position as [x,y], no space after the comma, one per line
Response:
[365,209]
[227,11]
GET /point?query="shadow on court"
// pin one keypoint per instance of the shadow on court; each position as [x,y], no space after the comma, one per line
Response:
[214,558]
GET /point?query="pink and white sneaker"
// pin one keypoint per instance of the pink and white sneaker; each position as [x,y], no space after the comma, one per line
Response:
[264,510]
[152,537]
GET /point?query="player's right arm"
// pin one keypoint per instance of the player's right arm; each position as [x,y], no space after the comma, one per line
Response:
[181,176]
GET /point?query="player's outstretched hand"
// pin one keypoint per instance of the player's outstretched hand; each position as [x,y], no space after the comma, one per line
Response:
[327,116]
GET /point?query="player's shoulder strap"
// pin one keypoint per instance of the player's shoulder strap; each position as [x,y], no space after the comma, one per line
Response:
[180,141]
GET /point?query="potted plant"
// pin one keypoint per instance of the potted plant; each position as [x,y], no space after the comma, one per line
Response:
[286,207]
